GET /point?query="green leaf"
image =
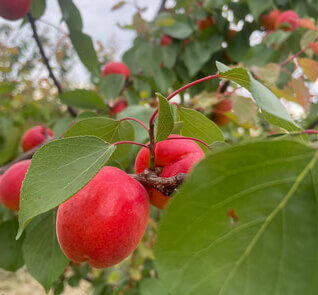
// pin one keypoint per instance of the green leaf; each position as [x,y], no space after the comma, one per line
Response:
[272,109]
[71,15]
[152,287]
[12,136]
[164,79]
[165,121]
[108,130]
[84,47]
[245,221]
[82,98]
[112,85]
[257,7]
[44,259]
[180,29]
[143,114]
[38,8]
[149,57]
[59,170]
[11,258]
[197,54]
[199,126]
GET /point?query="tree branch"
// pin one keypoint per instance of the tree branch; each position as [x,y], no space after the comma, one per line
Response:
[36,37]
[166,185]
[162,6]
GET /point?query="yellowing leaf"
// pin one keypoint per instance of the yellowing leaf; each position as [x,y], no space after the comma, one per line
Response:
[269,73]
[120,4]
[302,93]
[284,93]
[310,68]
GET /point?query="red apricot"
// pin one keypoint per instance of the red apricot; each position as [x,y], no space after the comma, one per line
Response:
[116,68]
[174,156]
[205,23]
[14,9]
[269,20]
[35,136]
[10,184]
[118,107]
[104,222]
[165,40]
[287,21]
[219,109]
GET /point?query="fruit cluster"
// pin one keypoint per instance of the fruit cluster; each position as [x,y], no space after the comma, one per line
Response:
[104,222]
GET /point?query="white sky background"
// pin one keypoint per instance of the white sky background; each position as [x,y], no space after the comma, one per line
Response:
[100,23]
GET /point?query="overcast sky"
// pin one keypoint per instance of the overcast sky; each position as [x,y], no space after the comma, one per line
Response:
[100,23]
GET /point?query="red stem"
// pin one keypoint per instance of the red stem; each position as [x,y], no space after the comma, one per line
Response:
[288,60]
[130,142]
[136,120]
[191,138]
[173,94]
[310,131]
[176,104]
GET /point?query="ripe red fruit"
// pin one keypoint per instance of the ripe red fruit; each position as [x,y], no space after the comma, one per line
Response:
[174,156]
[10,184]
[206,23]
[35,136]
[104,222]
[116,68]
[118,107]
[165,40]
[14,9]
[269,20]
[287,21]
[219,109]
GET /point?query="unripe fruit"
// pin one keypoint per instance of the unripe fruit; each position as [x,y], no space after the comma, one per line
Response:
[14,9]
[10,184]
[269,20]
[287,20]
[174,156]
[206,23]
[104,222]
[165,40]
[118,107]
[35,136]
[116,68]
[219,109]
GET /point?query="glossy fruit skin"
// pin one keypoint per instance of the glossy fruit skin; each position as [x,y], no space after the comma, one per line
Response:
[35,136]
[118,107]
[10,184]
[14,9]
[104,222]
[205,23]
[289,17]
[219,109]
[116,68]
[269,20]
[174,156]
[165,40]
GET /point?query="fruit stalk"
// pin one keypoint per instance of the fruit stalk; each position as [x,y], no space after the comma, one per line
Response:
[71,110]
[153,117]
